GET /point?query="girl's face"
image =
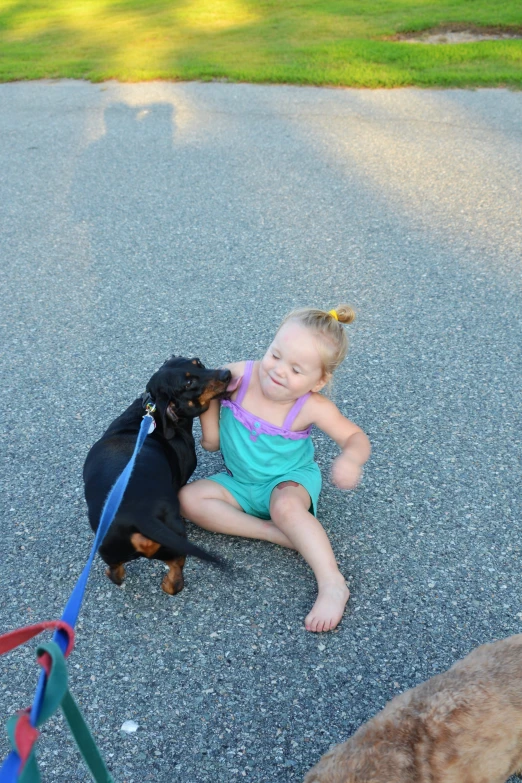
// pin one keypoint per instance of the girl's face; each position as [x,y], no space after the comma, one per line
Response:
[292,366]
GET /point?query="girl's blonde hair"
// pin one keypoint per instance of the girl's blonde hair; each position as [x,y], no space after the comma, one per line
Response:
[328,326]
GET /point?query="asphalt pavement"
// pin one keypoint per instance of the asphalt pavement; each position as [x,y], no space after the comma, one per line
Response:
[149,219]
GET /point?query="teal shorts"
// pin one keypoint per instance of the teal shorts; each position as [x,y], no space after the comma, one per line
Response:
[255,498]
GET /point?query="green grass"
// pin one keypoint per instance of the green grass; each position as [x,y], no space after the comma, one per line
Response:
[341,42]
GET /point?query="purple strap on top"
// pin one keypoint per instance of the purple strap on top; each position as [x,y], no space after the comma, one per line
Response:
[245,382]
[294,410]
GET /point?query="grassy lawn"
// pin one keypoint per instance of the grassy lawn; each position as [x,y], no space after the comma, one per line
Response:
[340,42]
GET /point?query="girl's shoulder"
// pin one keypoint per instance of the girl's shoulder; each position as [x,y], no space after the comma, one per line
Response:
[327,417]
[314,410]
[236,368]
[318,401]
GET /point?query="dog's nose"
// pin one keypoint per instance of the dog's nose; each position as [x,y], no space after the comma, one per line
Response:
[224,375]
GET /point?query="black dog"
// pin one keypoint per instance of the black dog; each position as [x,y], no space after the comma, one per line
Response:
[148,522]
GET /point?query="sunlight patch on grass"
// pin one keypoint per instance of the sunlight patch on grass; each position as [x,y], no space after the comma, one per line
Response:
[209,15]
[306,42]
[89,12]
[33,22]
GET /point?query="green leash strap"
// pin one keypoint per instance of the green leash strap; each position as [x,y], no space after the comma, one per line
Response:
[82,735]
[56,694]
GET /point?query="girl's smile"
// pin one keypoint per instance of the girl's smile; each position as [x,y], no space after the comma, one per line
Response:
[292,365]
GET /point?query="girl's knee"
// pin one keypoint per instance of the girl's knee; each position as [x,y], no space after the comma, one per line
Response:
[185,496]
[285,504]
[191,494]
[201,490]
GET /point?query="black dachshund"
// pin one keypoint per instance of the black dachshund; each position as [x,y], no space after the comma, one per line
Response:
[148,522]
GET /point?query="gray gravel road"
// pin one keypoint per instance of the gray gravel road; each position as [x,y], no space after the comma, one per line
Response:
[141,220]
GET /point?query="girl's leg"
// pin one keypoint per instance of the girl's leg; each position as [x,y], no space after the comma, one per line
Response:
[211,506]
[289,506]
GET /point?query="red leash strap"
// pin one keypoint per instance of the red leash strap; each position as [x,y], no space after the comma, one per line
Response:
[12,639]
[25,736]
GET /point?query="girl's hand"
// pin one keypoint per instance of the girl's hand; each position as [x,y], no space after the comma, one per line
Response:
[346,472]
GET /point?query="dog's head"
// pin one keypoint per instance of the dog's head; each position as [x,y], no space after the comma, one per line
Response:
[183,388]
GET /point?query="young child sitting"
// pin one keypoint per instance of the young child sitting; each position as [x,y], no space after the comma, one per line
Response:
[272,484]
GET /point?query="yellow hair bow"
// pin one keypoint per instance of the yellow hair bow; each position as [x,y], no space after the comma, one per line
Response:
[333,313]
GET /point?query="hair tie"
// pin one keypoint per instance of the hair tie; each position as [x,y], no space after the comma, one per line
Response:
[333,313]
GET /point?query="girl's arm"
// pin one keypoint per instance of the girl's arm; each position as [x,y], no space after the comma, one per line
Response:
[210,427]
[356,448]
[210,419]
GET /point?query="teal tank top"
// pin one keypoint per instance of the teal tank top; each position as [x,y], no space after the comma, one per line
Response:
[256,451]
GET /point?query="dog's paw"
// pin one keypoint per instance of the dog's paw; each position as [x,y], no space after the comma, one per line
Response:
[172,586]
[116,573]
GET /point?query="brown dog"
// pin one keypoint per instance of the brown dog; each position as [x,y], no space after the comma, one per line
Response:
[462,726]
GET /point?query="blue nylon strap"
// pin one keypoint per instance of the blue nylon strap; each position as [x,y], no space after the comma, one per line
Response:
[10,767]
[112,504]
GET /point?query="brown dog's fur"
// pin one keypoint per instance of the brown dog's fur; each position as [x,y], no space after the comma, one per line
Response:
[462,726]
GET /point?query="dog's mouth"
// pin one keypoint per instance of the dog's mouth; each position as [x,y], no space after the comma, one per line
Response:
[216,387]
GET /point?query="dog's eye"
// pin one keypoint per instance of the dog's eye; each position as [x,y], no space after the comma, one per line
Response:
[189,383]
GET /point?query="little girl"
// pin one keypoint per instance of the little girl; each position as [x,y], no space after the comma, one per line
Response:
[272,484]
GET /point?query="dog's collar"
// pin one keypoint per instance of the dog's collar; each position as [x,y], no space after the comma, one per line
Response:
[148,403]
[150,406]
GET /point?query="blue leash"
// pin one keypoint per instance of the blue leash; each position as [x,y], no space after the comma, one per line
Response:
[11,765]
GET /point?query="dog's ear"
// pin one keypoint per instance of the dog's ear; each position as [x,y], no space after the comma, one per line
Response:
[167,415]
[158,389]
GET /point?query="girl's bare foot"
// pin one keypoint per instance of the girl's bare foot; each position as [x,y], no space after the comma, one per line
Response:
[328,609]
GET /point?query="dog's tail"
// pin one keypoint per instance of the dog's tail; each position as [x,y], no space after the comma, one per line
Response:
[156,530]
